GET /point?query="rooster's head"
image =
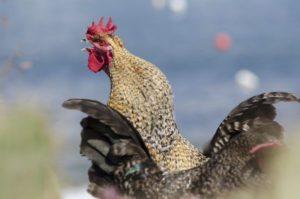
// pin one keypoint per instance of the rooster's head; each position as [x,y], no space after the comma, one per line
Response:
[103,43]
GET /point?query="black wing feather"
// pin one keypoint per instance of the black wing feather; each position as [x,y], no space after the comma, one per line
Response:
[109,141]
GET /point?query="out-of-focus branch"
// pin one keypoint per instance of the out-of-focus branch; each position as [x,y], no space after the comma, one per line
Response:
[4,22]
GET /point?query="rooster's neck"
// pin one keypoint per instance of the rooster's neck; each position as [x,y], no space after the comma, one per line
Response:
[141,92]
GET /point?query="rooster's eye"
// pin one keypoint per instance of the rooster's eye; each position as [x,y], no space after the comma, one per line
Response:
[96,38]
[102,42]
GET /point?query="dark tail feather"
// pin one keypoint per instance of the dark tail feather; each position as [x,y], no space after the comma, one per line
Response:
[248,114]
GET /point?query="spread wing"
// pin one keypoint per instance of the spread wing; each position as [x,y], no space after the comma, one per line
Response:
[111,143]
[248,114]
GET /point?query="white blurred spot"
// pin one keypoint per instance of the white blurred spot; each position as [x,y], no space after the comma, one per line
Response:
[178,6]
[76,193]
[158,4]
[247,80]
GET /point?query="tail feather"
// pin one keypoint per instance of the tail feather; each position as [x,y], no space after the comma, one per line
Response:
[248,114]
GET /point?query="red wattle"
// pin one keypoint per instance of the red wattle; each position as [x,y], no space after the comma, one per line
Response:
[95,62]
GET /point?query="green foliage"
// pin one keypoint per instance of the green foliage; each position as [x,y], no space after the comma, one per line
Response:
[26,158]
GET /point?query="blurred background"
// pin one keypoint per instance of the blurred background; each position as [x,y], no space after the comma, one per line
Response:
[215,54]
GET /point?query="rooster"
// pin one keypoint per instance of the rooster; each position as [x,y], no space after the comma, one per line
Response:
[142,94]
[141,98]
[120,158]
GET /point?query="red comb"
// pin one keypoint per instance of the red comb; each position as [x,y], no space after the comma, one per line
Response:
[101,29]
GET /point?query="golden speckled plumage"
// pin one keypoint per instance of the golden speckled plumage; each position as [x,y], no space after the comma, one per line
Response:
[141,92]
